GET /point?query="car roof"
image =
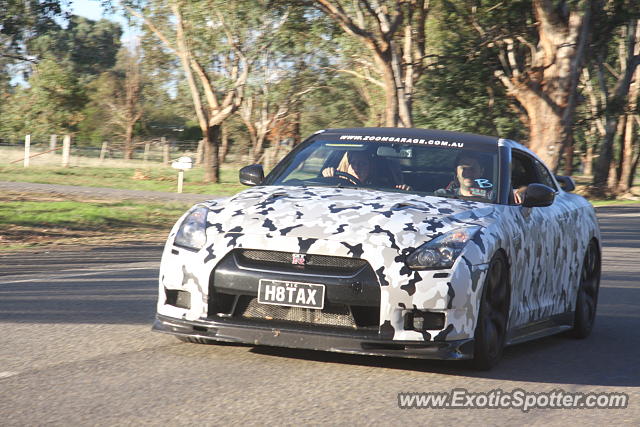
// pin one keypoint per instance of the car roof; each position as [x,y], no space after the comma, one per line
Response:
[434,134]
[415,133]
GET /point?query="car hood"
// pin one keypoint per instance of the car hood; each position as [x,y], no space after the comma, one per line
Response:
[391,219]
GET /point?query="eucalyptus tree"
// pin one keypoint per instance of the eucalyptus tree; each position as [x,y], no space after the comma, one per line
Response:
[616,56]
[118,98]
[393,32]
[217,43]
[540,46]
[287,71]
[21,21]
[51,103]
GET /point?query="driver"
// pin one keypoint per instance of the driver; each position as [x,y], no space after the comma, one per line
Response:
[355,167]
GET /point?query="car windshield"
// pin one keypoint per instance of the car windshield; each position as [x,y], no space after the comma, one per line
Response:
[457,170]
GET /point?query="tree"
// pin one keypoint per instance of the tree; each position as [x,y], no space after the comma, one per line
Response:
[216,43]
[540,58]
[91,46]
[22,20]
[394,34]
[51,104]
[119,97]
[613,101]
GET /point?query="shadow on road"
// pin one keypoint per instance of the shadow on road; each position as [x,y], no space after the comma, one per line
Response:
[607,358]
[127,297]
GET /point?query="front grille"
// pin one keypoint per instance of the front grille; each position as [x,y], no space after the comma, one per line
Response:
[333,315]
[260,258]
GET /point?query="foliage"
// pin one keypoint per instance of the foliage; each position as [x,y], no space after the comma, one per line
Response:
[305,72]
[51,104]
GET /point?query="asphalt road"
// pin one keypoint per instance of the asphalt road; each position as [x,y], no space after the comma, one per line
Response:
[76,349]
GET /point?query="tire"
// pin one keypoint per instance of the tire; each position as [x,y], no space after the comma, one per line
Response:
[587,298]
[491,328]
[195,340]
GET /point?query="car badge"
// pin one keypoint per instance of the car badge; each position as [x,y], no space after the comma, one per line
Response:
[298,259]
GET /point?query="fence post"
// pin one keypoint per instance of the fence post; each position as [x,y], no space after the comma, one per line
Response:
[145,157]
[27,150]
[66,150]
[165,150]
[53,141]
[103,151]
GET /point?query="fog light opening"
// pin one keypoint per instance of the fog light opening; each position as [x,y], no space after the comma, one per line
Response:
[423,320]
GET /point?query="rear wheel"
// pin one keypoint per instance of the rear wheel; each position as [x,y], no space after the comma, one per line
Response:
[491,328]
[587,299]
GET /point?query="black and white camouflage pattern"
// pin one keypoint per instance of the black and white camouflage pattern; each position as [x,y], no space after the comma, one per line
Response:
[545,248]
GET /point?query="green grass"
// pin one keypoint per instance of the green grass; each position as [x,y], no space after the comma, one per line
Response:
[156,178]
[101,216]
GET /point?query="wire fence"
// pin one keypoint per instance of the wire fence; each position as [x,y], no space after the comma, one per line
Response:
[153,152]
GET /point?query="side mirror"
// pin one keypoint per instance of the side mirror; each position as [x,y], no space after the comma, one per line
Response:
[566,183]
[538,195]
[251,175]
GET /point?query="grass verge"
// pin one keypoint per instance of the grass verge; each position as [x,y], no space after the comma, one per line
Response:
[28,220]
[153,178]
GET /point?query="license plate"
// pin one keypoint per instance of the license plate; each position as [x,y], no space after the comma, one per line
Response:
[291,294]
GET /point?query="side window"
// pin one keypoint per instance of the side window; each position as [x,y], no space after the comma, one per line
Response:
[526,170]
[523,172]
[544,176]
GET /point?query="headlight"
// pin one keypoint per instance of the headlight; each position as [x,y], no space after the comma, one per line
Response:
[442,251]
[191,233]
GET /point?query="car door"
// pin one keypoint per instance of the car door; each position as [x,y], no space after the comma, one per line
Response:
[536,241]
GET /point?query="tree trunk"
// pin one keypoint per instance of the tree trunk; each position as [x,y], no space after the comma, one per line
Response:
[628,144]
[128,143]
[568,158]
[258,147]
[622,127]
[588,161]
[634,168]
[545,129]
[547,86]
[391,110]
[613,104]
[605,157]
[224,146]
[630,137]
[611,181]
[211,163]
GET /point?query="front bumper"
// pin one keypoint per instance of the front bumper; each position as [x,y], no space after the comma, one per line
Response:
[343,342]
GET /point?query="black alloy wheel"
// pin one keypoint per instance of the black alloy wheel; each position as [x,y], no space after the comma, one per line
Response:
[491,328]
[587,299]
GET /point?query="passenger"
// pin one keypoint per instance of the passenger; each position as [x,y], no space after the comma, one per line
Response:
[356,167]
[468,172]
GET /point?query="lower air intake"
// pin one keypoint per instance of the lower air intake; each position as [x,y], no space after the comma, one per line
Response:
[334,315]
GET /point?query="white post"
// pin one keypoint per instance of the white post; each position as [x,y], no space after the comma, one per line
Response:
[27,150]
[53,142]
[145,158]
[180,180]
[165,150]
[66,151]
[103,151]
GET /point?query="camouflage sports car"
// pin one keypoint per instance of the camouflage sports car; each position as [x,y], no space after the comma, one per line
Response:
[384,241]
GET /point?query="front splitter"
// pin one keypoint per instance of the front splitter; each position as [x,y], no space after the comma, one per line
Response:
[312,340]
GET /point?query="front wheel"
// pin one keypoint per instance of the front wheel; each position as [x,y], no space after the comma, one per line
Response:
[587,299]
[491,328]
